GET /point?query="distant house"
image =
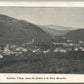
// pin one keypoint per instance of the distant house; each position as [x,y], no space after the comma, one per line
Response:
[36,50]
[46,51]
[21,49]
[60,50]
[6,51]
[1,56]
[76,49]
[81,42]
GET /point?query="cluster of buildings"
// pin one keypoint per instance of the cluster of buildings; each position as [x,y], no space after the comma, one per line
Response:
[9,50]
[69,45]
[62,47]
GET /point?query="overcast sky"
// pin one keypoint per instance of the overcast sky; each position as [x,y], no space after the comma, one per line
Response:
[71,17]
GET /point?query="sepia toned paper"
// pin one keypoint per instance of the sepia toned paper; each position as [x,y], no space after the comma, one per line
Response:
[41,42]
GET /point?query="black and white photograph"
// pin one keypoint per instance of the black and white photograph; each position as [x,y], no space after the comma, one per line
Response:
[42,40]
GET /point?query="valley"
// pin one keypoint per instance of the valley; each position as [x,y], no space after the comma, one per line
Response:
[28,48]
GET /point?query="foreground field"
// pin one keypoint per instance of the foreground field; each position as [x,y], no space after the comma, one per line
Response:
[42,63]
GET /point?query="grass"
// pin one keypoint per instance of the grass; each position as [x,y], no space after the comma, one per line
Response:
[42,63]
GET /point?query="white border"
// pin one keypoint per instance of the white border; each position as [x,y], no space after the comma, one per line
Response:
[43,3]
[70,78]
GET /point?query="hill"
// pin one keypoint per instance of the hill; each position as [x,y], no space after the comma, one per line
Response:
[56,30]
[14,30]
[57,27]
[76,34]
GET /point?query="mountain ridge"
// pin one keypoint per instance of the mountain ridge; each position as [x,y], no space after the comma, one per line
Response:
[76,34]
[14,30]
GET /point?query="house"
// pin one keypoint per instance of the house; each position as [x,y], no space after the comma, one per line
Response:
[76,49]
[6,51]
[1,56]
[46,51]
[21,49]
[60,50]
[36,50]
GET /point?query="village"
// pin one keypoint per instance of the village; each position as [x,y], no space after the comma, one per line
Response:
[59,47]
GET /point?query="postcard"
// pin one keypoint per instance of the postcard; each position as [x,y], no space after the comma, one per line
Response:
[41,42]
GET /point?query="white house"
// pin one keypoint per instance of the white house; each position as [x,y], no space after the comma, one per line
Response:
[46,51]
[60,50]
[1,56]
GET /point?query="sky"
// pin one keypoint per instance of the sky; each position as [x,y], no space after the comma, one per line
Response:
[61,16]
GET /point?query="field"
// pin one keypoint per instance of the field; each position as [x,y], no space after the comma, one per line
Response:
[42,63]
